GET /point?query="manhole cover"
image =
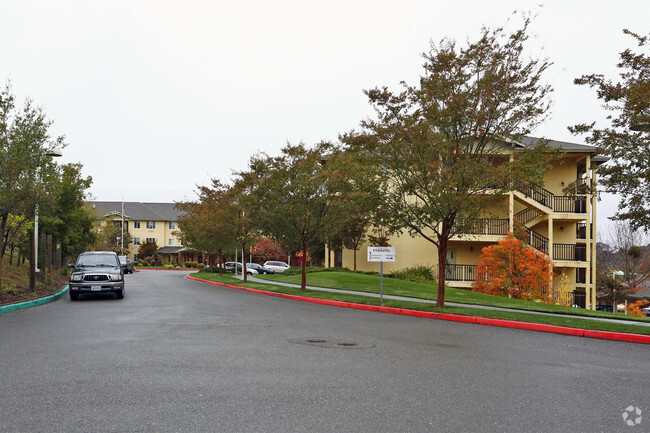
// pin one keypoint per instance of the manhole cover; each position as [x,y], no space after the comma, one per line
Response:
[340,344]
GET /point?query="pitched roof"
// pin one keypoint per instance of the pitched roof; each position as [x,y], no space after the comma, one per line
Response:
[137,210]
[564,145]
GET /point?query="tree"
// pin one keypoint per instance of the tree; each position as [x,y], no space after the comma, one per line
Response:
[447,148]
[242,203]
[147,249]
[512,268]
[629,256]
[208,225]
[626,141]
[363,213]
[25,168]
[298,197]
[109,238]
[65,217]
[266,249]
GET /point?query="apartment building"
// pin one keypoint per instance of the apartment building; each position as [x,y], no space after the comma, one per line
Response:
[561,226]
[148,222]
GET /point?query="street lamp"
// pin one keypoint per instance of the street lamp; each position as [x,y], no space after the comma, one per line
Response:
[614,274]
[54,153]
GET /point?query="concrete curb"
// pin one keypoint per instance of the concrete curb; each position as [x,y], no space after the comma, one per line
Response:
[35,302]
[619,336]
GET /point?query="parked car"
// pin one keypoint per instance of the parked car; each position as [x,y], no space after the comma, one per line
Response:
[259,268]
[276,267]
[125,261]
[646,311]
[230,267]
[96,272]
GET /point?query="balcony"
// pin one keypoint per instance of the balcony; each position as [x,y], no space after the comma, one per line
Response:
[465,273]
[570,252]
[484,226]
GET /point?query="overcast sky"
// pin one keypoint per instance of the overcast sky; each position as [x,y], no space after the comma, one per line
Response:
[156,97]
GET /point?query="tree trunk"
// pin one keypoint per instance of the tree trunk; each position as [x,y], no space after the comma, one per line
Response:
[303,281]
[442,261]
[3,226]
[355,260]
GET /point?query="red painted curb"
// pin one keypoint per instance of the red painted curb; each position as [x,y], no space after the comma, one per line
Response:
[540,327]
[165,269]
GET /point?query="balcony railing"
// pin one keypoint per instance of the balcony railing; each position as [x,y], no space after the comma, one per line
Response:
[485,226]
[567,204]
[537,193]
[570,252]
[538,241]
[461,272]
[564,204]
[527,215]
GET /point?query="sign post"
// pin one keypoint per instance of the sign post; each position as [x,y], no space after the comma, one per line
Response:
[381,255]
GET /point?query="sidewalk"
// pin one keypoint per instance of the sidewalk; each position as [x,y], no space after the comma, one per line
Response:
[427,301]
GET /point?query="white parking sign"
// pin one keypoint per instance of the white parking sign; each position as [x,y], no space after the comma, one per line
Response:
[381,254]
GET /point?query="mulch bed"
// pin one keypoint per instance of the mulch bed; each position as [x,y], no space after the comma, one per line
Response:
[26,294]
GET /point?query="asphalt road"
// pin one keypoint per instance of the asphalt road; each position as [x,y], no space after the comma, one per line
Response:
[182,356]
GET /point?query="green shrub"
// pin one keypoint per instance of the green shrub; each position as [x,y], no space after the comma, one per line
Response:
[9,288]
[170,266]
[418,274]
[201,266]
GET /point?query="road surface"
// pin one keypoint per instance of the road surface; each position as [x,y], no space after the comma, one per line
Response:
[183,356]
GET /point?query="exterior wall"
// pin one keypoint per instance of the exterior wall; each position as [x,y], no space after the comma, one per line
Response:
[162,233]
[558,228]
[408,251]
[561,171]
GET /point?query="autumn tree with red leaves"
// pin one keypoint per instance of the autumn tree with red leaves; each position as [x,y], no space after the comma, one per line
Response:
[512,268]
[267,249]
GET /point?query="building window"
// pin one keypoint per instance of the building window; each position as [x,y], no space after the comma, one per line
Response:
[172,242]
[151,224]
[151,240]
[136,224]
[136,241]
[172,225]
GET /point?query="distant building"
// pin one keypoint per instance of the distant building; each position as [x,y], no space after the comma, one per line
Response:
[148,222]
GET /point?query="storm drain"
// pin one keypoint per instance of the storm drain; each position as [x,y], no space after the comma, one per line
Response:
[336,344]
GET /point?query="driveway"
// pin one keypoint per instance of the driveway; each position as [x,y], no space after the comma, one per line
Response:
[182,356]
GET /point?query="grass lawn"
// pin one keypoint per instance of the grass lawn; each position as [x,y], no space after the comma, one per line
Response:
[392,286]
[369,283]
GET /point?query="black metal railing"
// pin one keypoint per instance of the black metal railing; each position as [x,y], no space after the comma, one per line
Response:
[537,193]
[484,226]
[566,204]
[527,215]
[538,241]
[570,252]
[570,204]
[461,272]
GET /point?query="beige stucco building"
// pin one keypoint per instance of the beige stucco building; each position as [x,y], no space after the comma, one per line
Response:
[561,226]
[148,222]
